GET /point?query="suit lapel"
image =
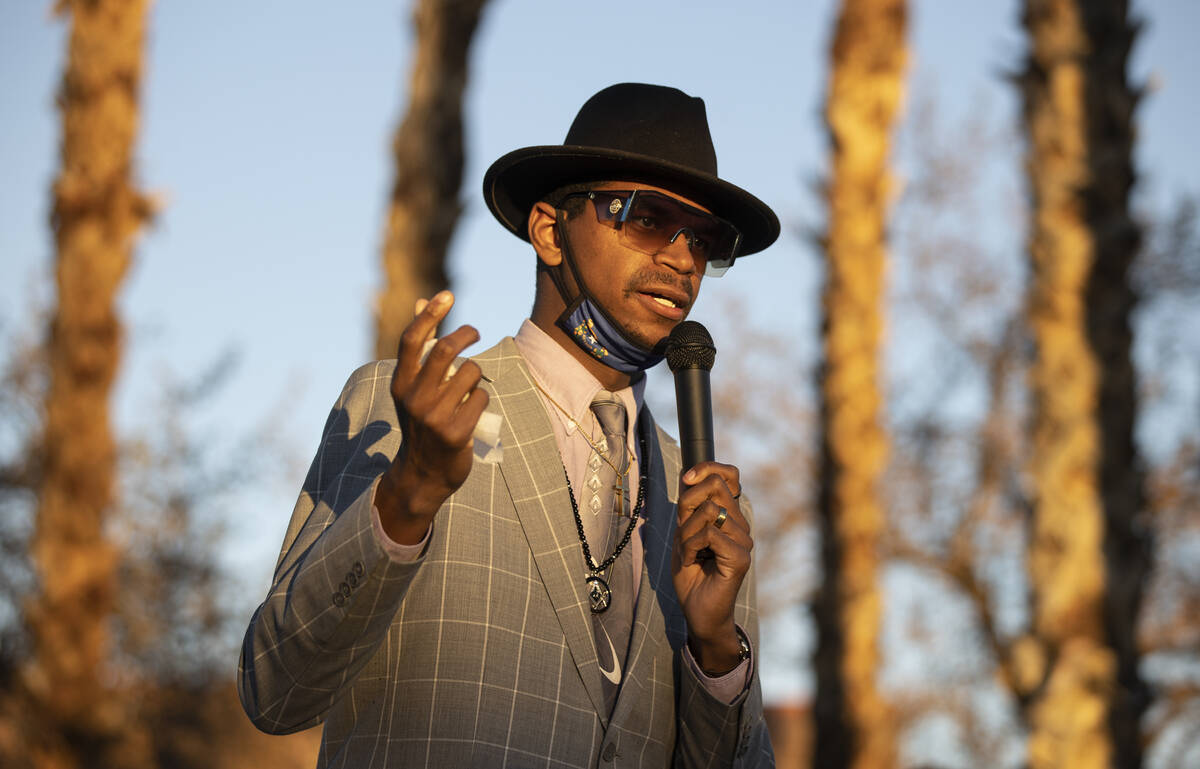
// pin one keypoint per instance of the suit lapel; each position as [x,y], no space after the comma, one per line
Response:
[533,473]
[659,532]
[658,619]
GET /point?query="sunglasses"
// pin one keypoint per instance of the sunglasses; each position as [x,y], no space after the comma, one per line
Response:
[650,221]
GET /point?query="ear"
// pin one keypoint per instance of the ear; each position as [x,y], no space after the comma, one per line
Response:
[543,233]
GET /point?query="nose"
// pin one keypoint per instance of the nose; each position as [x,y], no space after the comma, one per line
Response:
[677,254]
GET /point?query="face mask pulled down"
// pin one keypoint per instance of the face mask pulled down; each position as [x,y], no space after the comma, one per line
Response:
[586,322]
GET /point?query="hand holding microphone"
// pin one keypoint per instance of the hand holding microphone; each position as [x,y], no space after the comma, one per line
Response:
[712,539]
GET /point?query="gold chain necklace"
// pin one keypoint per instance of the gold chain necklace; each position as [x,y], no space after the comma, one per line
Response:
[574,422]
[599,593]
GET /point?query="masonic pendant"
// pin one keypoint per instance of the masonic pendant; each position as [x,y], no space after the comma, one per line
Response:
[598,592]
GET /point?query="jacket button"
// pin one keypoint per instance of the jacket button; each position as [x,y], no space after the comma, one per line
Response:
[610,750]
[338,599]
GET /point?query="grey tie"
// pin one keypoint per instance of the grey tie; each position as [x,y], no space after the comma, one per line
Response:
[612,626]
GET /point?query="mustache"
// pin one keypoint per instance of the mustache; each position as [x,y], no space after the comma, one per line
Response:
[649,279]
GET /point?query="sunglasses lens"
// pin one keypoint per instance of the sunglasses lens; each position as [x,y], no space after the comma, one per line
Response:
[656,220]
[650,221]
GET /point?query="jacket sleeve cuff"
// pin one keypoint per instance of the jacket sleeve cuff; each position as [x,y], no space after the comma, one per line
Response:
[729,686]
[397,552]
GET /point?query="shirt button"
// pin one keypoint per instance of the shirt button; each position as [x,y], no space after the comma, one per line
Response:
[610,750]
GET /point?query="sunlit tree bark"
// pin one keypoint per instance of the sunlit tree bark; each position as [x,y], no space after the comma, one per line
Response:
[428,151]
[96,216]
[853,725]
[1078,107]
[1128,549]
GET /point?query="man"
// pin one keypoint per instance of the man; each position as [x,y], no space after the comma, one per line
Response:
[583,602]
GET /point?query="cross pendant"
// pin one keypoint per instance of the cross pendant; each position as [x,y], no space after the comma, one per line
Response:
[619,490]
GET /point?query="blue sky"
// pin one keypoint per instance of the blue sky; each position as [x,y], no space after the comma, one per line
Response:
[266,131]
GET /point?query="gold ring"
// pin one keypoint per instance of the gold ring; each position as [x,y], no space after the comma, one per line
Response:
[721,516]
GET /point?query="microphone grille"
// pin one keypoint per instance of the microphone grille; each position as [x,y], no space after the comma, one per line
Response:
[690,346]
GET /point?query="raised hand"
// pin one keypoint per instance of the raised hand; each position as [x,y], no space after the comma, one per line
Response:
[437,416]
[709,560]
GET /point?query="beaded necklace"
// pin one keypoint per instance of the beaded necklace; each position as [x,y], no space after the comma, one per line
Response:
[599,593]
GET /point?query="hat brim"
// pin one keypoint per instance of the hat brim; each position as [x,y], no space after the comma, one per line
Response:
[523,177]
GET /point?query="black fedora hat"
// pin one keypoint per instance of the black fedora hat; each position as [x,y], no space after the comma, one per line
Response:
[630,132]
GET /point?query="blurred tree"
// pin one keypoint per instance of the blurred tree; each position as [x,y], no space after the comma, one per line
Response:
[1089,549]
[180,614]
[22,396]
[96,217]
[957,502]
[959,490]
[853,724]
[1166,276]
[428,149]
[177,617]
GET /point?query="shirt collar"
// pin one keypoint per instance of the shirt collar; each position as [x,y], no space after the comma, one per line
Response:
[565,380]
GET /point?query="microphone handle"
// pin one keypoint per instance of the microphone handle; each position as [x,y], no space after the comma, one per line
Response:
[693,398]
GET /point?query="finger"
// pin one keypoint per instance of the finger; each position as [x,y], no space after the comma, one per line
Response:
[431,376]
[451,394]
[732,554]
[461,429]
[712,489]
[456,429]
[730,557]
[730,474]
[735,517]
[421,304]
[720,538]
[453,425]
[708,514]
[417,333]
[697,519]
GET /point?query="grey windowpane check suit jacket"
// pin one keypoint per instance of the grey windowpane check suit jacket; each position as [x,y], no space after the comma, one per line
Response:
[481,652]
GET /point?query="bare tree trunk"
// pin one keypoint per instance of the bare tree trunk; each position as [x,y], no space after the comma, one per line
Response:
[854,727]
[428,148]
[1088,481]
[97,215]
[1128,547]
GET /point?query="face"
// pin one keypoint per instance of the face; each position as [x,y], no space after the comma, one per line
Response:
[647,294]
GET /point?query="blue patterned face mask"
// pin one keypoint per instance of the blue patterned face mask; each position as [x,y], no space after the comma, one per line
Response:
[603,339]
[585,321]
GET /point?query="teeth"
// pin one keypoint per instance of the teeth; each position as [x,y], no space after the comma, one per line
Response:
[665,302]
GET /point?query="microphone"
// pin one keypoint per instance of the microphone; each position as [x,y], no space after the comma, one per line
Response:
[690,356]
